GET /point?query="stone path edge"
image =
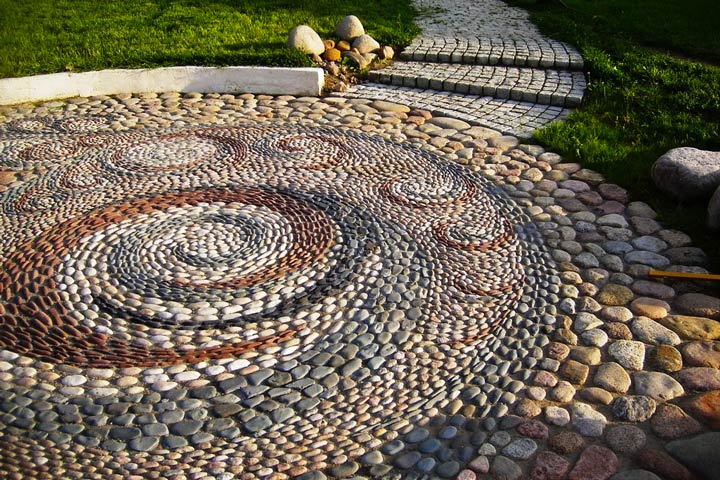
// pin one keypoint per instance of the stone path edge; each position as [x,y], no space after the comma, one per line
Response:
[185,79]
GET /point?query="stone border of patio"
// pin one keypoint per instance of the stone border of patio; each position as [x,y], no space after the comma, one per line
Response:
[257,80]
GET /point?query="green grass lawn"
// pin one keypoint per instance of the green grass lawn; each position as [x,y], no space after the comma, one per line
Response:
[644,96]
[44,36]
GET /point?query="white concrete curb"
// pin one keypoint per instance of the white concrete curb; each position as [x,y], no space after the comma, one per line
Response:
[261,80]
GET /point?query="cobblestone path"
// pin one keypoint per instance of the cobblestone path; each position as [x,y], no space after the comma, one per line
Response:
[484,62]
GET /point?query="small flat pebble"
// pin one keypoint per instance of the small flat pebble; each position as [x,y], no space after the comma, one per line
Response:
[671,422]
[467,474]
[586,355]
[563,392]
[407,460]
[611,376]
[557,416]
[549,465]
[480,464]
[615,295]
[372,458]
[665,358]
[698,304]
[596,395]
[702,354]
[653,289]
[500,438]
[650,307]
[594,337]
[650,259]
[566,442]
[521,449]
[586,321]
[657,385]
[533,429]
[616,314]
[74,380]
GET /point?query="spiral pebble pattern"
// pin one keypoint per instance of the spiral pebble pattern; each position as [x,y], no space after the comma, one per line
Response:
[299,276]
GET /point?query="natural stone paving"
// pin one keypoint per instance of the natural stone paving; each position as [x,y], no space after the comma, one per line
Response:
[509,117]
[489,52]
[549,87]
[219,286]
[538,52]
[475,18]
[227,285]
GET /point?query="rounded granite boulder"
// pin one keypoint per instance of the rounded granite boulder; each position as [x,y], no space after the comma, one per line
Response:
[349,28]
[306,40]
[687,173]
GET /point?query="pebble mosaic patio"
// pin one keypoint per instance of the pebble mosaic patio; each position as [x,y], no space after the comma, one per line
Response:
[249,286]
[374,285]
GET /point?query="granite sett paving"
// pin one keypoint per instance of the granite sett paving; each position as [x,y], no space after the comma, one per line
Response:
[490,53]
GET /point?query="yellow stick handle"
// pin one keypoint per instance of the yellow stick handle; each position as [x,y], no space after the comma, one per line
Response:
[684,275]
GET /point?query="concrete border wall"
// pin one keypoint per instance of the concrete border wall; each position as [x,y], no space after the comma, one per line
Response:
[260,80]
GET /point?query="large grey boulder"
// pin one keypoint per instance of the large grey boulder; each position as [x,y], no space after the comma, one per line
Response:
[714,210]
[349,27]
[687,173]
[306,40]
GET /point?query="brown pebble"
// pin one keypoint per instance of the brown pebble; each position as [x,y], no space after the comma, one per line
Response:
[566,442]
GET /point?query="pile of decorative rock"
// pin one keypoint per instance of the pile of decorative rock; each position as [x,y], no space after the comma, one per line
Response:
[688,175]
[353,44]
[618,379]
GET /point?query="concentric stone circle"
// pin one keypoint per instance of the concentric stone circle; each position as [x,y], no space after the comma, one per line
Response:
[299,276]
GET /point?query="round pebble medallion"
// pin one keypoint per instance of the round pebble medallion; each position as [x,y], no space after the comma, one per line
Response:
[272,287]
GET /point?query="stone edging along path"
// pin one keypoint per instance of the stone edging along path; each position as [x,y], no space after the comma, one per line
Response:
[267,80]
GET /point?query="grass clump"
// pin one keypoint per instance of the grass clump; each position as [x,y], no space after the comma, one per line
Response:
[648,91]
[44,36]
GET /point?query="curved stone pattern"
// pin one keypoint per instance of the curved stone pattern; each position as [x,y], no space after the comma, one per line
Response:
[281,285]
